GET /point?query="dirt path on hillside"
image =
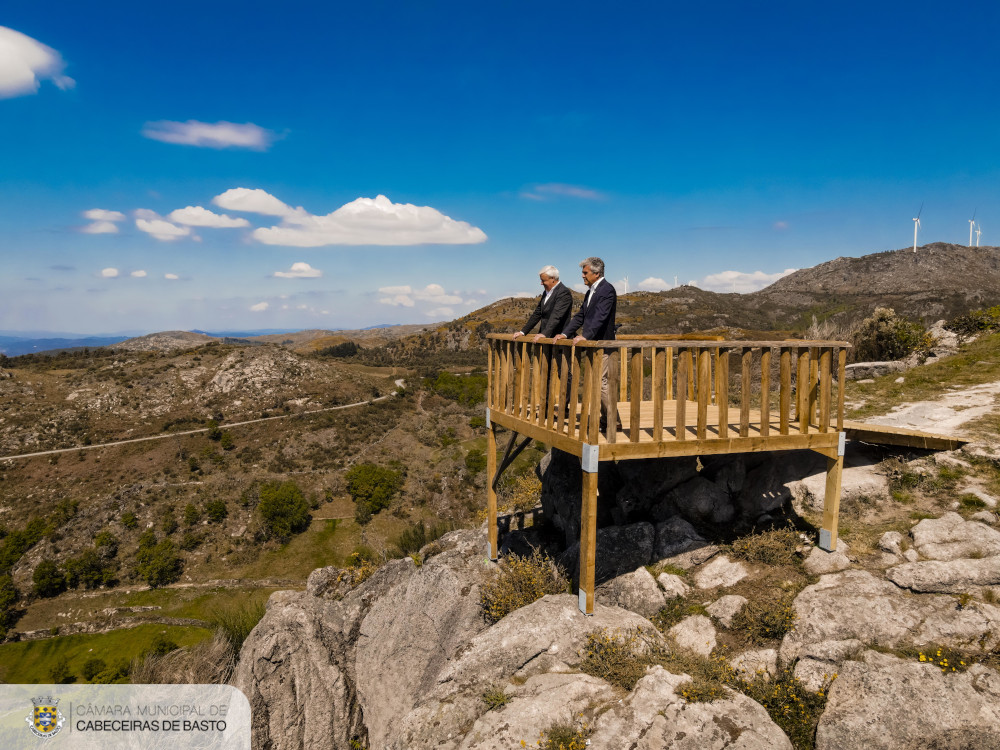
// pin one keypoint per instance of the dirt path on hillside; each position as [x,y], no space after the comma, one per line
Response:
[399,384]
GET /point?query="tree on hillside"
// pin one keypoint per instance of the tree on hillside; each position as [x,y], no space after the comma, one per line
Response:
[372,488]
[885,336]
[283,509]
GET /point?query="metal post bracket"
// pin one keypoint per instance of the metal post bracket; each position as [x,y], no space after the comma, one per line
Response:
[590,458]
[842,444]
[489,422]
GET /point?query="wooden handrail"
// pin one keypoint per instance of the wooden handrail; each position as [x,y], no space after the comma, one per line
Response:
[555,386]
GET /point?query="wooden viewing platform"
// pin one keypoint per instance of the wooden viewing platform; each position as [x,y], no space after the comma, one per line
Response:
[675,397]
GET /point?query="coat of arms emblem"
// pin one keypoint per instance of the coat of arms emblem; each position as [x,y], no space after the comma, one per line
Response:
[45,720]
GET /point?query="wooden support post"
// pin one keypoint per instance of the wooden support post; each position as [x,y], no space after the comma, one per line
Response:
[588,541]
[765,391]
[491,493]
[831,504]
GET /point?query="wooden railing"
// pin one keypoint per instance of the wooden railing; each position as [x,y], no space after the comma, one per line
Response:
[694,390]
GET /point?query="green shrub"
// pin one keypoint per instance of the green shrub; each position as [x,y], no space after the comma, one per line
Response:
[214,431]
[106,544]
[562,736]
[616,657]
[48,579]
[162,645]
[91,570]
[475,461]
[226,441]
[129,521]
[60,673]
[517,582]
[92,667]
[976,321]
[159,565]
[372,488]
[495,696]
[169,525]
[466,389]
[346,349]
[884,336]
[283,509]
[8,598]
[191,515]
[216,510]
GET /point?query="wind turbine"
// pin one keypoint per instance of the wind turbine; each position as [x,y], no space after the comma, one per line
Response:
[972,224]
[916,225]
[979,231]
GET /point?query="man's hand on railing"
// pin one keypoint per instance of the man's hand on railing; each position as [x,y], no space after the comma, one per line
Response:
[538,337]
[559,337]
[519,333]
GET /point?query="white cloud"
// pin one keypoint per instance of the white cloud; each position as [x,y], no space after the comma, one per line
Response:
[259,307]
[151,223]
[549,190]
[740,281]
[138,274]
[171,276]
[196,216]
[109,273]
[25,62]
[101,221]
[300,271]
[581,287]
[406,296]
[210,135]
[524,295]
[253,200]
[364,221]
[102,214]
[440,312]
[779,225]
[653,284]
[99,227]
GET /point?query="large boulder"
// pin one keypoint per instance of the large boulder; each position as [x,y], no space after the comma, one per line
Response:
[951,537]
[620,550]
[655,716]
[887,703]
[948,577]
[855,604]
[637,592]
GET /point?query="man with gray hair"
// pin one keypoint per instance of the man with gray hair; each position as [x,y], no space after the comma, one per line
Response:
[553,308]
[596,319]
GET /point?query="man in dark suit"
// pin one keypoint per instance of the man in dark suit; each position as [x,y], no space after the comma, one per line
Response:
[553,309]
[596,319]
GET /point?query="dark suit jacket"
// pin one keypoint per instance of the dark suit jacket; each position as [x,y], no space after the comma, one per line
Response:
[553,316]
[597,316]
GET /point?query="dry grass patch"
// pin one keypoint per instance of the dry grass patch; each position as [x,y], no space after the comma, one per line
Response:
[517,582]
[775,547]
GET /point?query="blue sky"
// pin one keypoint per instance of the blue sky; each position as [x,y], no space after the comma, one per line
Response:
[219,165]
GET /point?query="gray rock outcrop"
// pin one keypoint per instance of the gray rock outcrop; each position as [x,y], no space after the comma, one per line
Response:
[886,703]
[951,537]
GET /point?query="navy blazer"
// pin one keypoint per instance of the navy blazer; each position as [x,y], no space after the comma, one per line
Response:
[597,316]
[553,316]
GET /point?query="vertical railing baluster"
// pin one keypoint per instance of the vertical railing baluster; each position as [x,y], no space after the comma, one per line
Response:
[659,381]
[824,390]
[802,390]
[575,388]
[635,395]
[765,391]
[614,370]
[668,373]
[586,363]
[722,392]
[704,390]
[680,418]
[785,392]
[745,360]
[841,363]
